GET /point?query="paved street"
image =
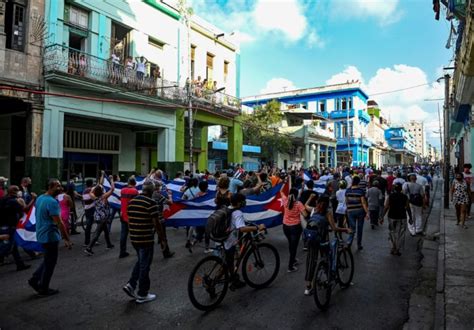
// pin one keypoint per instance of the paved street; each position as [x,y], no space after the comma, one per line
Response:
[91,295]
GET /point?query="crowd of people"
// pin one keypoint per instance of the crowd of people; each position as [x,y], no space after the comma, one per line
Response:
[339,199]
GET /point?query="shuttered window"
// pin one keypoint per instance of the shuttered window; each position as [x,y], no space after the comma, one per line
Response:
[80,140]
[15,25]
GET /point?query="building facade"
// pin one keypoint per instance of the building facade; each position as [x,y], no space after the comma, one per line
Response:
[416,129]
[379,152]
[119,93]
[403,145]
[22,33]
[345,106]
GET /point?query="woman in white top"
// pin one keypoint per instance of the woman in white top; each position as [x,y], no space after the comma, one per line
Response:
[341,203]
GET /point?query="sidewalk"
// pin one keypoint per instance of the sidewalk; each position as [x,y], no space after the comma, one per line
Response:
[458,272]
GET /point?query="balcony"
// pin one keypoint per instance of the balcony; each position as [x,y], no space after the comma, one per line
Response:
[316,130]
[68,66]
[364,116]
[341,114]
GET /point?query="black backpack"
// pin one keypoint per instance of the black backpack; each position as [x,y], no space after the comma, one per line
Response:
[219,223]
[317,228]
[415,199]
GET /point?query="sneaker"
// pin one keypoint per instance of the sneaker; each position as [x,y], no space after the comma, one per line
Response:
[208,250]
[308,291]
[89,252]
[123,255]
[149,297]
[237,284]
[22,267]
[130,291]
[34,285]
[49,292]
[168,255]
[292,269]
[110,247]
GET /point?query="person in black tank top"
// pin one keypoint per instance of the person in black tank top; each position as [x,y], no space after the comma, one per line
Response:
[223,194]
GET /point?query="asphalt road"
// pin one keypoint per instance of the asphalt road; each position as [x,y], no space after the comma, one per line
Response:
[91,295]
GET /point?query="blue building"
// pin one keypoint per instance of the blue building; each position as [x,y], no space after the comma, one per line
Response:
[345,108]
[403,144]
[217,157]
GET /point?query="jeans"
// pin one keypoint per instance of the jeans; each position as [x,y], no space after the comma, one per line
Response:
[102,227]
[229,261]
[123,237]
[356,221]
[89,221]
[113,212]
[374,217]
[14,251]
[45,271]
[141,270]
[293,234]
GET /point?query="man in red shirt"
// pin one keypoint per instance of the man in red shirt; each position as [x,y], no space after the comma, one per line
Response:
[390,179]
[127,194]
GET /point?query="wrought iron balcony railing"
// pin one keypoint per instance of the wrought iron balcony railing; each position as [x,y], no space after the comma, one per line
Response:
[74,63]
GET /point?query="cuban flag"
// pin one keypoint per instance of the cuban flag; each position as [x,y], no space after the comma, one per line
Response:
[319,185]
[266,208]
[25,236]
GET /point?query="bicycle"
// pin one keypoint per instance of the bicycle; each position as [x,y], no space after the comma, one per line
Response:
[210,278]
[335,267]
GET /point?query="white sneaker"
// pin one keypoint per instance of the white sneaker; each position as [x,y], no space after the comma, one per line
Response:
[149,297]
[308,292]
[130,291]
[208,250]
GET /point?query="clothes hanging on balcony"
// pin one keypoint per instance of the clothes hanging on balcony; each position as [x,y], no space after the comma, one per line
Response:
[451,10]
[436,9]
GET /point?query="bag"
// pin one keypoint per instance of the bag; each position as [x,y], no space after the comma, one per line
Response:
[317,228]
[341,208]
[415,199]
[219,223]
[102,211]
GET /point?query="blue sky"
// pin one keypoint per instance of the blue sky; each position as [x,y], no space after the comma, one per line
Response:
[386,44]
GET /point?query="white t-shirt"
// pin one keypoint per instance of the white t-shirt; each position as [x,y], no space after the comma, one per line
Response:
[141,67]
[341,199]
[421,180]
[348,179]
[398,181]
[238,221]
[115,59]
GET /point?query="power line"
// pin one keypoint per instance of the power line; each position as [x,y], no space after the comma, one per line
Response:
[398,90]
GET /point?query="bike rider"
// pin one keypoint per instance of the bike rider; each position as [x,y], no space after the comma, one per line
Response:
[238,201]
[322,213]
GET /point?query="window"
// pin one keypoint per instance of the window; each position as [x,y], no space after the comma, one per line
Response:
[322,106]
[156,43]
[337,104]
[344,103]
[350,103]
[209,66]
[15,25]
[226,70]
[120,41]
[76,16]
[193,56]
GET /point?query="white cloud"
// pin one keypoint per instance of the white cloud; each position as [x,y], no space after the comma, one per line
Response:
[350,73]
[252,20]
[384,11]
[278,85]
[285,16]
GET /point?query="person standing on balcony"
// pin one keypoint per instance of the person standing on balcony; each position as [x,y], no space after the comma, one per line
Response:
[115,67]
[141,67]
[198,87]
[129,67]
[82,65]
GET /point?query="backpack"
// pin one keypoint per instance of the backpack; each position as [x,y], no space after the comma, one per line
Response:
[219,223]
[102,211]
[415,199]
[317,228]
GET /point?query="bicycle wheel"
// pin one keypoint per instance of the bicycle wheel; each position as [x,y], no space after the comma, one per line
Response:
[208,282]
[83,221]
[345,267]
[260,266]
[322,286]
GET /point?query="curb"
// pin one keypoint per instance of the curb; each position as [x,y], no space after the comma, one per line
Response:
[440,311]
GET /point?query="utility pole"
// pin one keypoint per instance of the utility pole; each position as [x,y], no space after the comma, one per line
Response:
[446,141]
[440,132]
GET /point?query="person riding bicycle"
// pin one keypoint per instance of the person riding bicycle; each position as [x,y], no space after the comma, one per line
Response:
[238,201]
[317,233]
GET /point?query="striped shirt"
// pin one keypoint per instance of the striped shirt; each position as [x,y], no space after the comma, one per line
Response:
[354,199]
[141,211]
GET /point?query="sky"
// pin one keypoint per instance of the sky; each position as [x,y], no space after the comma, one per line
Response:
[386,44]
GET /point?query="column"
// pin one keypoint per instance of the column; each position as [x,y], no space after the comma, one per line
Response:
[327,157]
[34,131]
[311,155]
[202,157]
[317,154]
[171,146]
[334,157]
[307,150]
[235,139]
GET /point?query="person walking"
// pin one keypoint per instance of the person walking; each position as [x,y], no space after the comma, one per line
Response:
[49,229]
[357,211]
[460,192]
[126,195]
[101,214]
[65,204]
[142,222]
[397,206]
[416,196]
[374,197]
[292,229]
[341,209]
[160,199]
[88,200]
[13,209]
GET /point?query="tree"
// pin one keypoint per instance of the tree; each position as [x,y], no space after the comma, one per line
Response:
[261,128]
